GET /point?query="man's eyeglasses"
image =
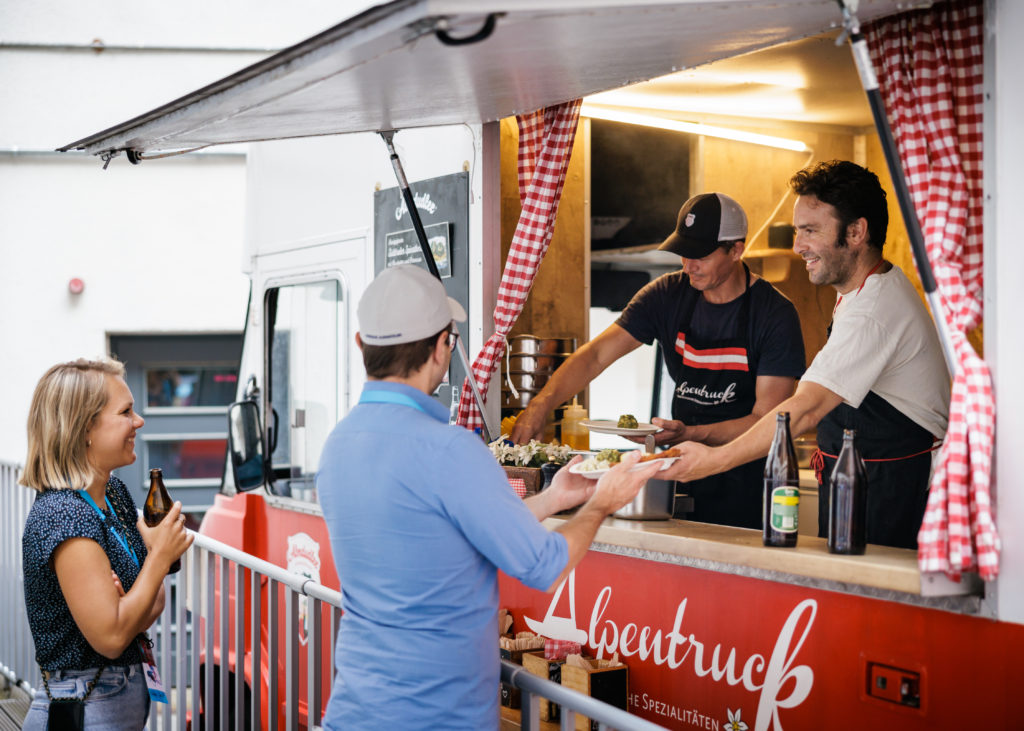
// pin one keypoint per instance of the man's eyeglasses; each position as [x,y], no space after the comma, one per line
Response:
[453,338]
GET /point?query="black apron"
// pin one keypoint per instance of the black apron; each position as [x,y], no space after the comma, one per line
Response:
[898,455]
[718,383]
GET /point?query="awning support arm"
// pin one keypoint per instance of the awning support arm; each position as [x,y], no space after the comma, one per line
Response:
[859,47]
[428,257]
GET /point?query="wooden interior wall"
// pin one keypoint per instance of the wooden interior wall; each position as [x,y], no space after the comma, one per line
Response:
[558,305]
[758,178]
[755,175]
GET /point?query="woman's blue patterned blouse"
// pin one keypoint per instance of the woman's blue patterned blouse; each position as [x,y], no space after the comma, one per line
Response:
[56,516]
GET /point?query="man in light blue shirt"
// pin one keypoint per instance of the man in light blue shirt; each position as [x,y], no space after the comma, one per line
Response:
[421,516]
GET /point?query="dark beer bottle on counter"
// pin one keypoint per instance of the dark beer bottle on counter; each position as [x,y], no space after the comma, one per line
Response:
[781,488]
[158,504]
[847,500]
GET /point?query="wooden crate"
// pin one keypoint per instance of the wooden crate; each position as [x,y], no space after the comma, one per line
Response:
[610,685]
[536,664]
[532,476]
[510,695]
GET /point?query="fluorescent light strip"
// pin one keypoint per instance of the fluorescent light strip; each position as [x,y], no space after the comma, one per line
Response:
[647,120]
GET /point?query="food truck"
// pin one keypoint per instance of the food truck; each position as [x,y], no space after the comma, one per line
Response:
[717,630]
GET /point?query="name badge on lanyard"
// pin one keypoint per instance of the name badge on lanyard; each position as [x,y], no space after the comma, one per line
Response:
[153,683]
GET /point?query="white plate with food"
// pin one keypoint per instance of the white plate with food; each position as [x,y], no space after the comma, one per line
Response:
[597,464]
[610,426]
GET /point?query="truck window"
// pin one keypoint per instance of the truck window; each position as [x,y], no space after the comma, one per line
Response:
[302,382]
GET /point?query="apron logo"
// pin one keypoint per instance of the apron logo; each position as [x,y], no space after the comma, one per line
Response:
[701,395]
[690,218]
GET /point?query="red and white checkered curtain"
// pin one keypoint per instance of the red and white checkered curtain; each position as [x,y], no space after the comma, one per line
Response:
[545,144]
[930,69]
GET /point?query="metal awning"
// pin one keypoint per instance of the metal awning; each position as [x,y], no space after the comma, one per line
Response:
[389,67]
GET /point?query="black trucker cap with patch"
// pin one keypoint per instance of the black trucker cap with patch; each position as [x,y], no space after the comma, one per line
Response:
[706,221]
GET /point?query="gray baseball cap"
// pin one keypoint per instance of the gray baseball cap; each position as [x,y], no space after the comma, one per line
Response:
[405,304]
[704,222]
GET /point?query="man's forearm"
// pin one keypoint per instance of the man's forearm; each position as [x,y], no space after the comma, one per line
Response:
[579,532]
[806,408]
[542,505]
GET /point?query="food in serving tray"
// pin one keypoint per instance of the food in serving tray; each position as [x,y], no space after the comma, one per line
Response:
[627,421]
[603,460]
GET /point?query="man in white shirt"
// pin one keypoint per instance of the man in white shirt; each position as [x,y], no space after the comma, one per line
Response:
[881,372]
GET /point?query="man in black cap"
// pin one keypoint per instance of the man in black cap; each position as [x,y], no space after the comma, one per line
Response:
[731,343]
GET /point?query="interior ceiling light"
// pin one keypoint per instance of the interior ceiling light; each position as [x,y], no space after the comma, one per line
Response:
[749,102]
[708,130]
[711,76]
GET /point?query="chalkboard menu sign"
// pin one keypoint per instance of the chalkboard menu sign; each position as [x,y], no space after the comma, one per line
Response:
[403,247]
[443,205]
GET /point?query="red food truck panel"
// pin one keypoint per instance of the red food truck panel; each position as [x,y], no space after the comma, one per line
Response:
[297,541]
[707,649]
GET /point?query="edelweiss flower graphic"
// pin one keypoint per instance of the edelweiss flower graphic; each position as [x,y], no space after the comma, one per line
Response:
[734,723]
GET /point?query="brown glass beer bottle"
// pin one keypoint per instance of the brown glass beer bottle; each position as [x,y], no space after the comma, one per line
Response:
[781,488]
[158,504]
[847,501]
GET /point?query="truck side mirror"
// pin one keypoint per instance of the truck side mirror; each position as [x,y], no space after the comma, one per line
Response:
[245,445]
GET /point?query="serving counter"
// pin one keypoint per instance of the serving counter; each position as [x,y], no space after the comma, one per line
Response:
[714,628]
[883,572]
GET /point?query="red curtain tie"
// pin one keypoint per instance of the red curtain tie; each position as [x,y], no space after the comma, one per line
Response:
[818,458]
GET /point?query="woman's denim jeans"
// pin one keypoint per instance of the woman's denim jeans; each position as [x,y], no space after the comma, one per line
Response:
[119,702]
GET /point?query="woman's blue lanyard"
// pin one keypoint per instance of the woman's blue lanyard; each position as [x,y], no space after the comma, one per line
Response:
[120,539]
[390,397]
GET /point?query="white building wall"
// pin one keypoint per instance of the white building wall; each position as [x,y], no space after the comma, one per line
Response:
[1004,266]
[158,245]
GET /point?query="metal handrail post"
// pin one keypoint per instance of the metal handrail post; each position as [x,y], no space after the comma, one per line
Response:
[273,655]
[314,661]
[239,704]
[223,568]
[210,565]
[256,620]
[195,605]
[181,639]
[291,662]
[164,634]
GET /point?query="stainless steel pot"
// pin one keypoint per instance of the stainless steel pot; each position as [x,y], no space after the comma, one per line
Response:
[531,345]
[508,401]
[536,362]
[528,379]
[655,501]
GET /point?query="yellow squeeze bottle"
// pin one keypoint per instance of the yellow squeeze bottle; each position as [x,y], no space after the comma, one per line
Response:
[574,433]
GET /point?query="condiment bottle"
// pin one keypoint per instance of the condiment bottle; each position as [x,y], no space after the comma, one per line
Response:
[574,433]
[158,504]
[781,488]
[848,500]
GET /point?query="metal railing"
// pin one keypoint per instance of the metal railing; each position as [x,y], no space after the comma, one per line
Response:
[533,688]
[17,652]
[233,639]
[210,647]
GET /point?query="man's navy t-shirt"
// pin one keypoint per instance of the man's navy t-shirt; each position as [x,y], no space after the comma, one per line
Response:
[775,345]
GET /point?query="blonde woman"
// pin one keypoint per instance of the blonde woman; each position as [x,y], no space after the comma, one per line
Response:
[93,573]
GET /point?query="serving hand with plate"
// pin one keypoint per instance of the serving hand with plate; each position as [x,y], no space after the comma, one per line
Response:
[610,426]
[593,468]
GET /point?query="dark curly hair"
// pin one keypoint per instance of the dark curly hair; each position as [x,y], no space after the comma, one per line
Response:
[852,190]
